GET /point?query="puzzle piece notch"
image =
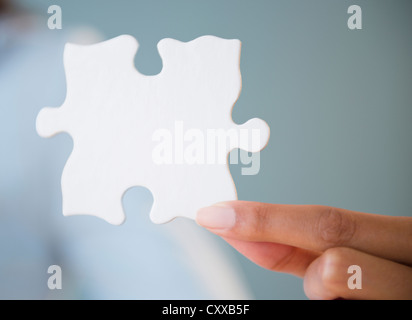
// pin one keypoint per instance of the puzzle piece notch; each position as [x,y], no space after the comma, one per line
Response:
[106,97]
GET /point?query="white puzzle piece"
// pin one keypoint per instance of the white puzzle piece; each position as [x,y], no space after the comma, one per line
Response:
[120,122]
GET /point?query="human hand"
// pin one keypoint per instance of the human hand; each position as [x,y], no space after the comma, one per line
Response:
[319,243]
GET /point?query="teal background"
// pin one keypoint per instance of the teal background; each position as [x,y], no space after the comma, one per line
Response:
[338,102]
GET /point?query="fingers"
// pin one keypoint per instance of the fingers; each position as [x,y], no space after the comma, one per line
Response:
[315,228]
[328,278]
[290,238]
[276,257]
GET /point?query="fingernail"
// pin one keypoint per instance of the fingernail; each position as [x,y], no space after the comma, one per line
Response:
[216,217]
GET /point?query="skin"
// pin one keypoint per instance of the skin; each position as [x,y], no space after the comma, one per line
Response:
[319,243]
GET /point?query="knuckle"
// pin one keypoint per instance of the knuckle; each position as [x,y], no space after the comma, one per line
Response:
[330,268]
[334,228]
[282,264]
[260,220]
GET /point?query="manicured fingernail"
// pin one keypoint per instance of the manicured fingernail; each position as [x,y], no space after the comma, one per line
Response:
[216,217]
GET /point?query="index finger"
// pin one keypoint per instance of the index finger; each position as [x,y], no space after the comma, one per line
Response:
[311,227]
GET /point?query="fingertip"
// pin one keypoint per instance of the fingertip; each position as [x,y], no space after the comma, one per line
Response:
[218,216]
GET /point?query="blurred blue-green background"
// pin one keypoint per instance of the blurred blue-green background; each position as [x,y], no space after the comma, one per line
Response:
[338,102]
